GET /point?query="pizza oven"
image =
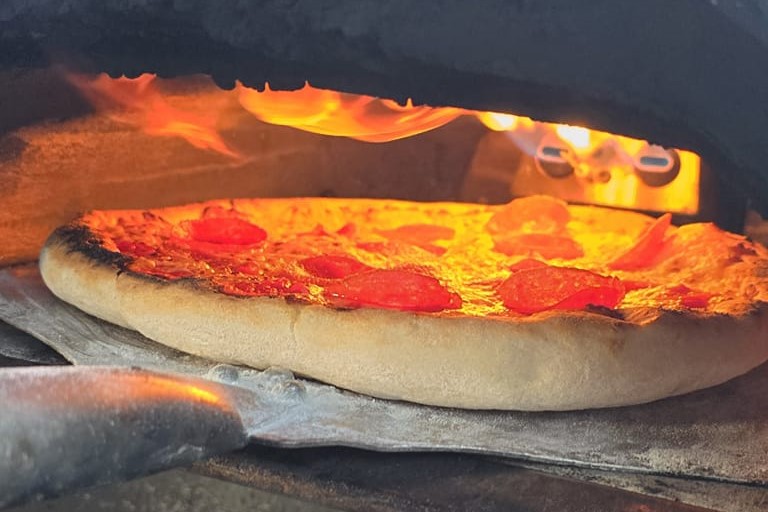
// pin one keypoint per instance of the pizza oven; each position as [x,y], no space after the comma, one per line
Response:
[647,105]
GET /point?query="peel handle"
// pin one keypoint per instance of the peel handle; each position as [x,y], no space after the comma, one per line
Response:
[67,428]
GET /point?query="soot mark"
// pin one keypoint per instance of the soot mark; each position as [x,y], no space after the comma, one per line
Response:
[81,239]
[11,148]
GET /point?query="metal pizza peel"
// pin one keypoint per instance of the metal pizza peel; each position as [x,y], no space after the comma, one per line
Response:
[130,407]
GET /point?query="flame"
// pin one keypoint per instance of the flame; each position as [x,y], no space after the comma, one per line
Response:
[605,165]
[345,115]
[578,137]
[497,121]
[608,169]
[529,135]
[138,102]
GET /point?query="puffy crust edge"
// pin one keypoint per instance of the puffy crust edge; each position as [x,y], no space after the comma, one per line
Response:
[550,361]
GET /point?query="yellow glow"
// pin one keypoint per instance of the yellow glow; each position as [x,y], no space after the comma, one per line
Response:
[576,136]
[627,190]
[497,121]
[603,165]
[170,388]
[345,115]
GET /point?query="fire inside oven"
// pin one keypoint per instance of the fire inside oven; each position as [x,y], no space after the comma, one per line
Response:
[571,162]
[149,142]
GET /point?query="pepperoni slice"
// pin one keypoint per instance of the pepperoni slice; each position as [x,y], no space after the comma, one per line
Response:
[434,249]
[349,229]
[137,248]
[225,230]
[333,267]
[376,247]
[631,285]
[250,268]
[679,289]
[545,245]
[419,233]
[650,248]
[207,250]
[392,289]
[690,298]
[541,289]
[698,300]
[527,264]
[394,247]
[541,214]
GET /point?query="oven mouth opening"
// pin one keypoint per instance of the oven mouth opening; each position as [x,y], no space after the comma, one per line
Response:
[575,163]
[149,142]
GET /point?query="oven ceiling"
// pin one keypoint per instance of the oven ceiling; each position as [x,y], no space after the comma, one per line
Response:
[688,73]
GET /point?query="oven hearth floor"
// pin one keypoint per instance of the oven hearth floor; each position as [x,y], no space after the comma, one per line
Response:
[173,491]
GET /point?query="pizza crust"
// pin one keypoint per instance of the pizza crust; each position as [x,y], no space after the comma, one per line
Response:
[549,361]
[76,279]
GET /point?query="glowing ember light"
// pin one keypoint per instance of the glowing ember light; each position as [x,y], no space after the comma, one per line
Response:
[162,387]
[497,121]
[303,107]
[345,115]
[576,136]
[608,169]
[588,166]
[138,102]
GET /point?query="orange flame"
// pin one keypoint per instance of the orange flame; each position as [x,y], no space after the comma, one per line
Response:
[607,161]
[138,102]
[582,141]
[346,115]
[577,136]
[497,121]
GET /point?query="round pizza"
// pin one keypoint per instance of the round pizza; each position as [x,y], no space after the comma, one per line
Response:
[532,305]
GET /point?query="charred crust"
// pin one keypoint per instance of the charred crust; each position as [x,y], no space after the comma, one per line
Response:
[295,299]
[78,238]
[189,282]
[604,311]
[340,309]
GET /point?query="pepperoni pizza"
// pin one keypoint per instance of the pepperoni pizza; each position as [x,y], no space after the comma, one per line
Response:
[533,305]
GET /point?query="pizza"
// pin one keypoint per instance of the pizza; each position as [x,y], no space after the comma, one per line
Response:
[532,305]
